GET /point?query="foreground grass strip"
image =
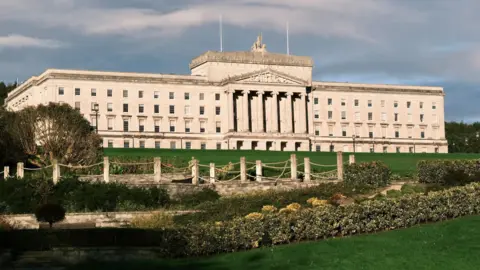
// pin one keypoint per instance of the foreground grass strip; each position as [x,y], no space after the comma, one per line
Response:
[447,245]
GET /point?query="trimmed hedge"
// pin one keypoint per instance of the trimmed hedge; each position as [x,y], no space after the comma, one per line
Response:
[291,224]
[371,174]
[448,172]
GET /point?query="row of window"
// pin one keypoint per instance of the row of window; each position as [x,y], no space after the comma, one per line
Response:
[173,145]
[396,133]
[156,94]
[396,117]
[156,126]
[411,149]
[156,108]
[356,103]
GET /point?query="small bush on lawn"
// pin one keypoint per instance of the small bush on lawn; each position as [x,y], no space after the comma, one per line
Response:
[51,213]
[372,174]
[448,172]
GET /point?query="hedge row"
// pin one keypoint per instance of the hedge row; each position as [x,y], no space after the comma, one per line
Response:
[448,172]
[370,174]
[268,228]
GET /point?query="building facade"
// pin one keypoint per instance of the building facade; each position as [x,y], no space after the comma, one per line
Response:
[245,100]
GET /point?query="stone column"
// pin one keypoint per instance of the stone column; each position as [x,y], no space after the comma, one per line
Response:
[260,115]
[274,111]
[231,114]
[258,169]
[20,172]
[6,172]
[243,170]
[306,165]
[245,112]
[302,115]
[212,172]
[195,172]
[56,171]
[340,165]
[157,169]
[289,114]
[106,169]
[293,167]
[351,159]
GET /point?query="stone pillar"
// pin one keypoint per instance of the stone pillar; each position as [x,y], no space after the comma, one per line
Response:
[289,114]
[351,159]
[195,172]
[6,172]
[20,171]
[340,165]
[258,169]
[302,115]
[260,115]
[245,113]
[157,169]
[306,165]
[274,111]
[293,167]
[212,172]
[231,114]
[106,169]
[56,171]
[243,170]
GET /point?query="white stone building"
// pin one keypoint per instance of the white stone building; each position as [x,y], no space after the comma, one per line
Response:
[245,100]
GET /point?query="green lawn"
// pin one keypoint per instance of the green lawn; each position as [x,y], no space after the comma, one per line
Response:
[448,245]
[403,164]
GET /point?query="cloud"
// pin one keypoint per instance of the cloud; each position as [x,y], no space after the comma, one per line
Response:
[19,41]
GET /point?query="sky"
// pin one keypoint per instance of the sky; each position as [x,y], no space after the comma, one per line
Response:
[421,42]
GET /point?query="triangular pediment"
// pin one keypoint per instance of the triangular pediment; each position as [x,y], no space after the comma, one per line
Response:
[267,76]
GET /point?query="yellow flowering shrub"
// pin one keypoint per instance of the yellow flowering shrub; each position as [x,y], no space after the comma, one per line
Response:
[269,208]
[311,200]
[254,216]
[319,203]
[294,206]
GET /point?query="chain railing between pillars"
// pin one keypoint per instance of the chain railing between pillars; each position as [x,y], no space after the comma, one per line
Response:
[242,171]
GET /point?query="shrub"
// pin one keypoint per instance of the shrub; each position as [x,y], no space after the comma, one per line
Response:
[158,220]
[50,213]
[448,172]
[196,198]
[371,174]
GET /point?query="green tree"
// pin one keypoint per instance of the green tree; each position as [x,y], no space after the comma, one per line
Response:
[10,147]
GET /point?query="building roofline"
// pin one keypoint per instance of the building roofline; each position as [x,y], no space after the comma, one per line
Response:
[386,88]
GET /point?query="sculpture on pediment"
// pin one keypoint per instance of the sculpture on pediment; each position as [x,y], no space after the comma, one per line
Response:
[268,78]
[258,46]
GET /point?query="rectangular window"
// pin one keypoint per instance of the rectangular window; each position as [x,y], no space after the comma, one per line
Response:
[125,125]
[410,149]
[330,131]
[188,145]
[126,144]
[316,114]
[142,144]
[171,95]
[330,114]
[317,147]
[422,134]
[203,146]
[77,91]
[395,116]
[384,132]
[395,104]
[110,124]
[125,107]
[329,101]
[187,109]
[344,131]
[397,134]
[187,96]
[109,107]
[357,116]
[61,91]
[157,126]
[315,101]
[421,105]
[156,108]
[217,96]
[421,118]
[188,123]
[356,103]
[409,104]
[398,149]
[109,92]
[141,125]
[343,102]
[372,150]
[202,126]
[344,115]
[201,96]
[434,106]
[157,144]
[93,92]
[317,131]
[218,127]
[172,109]
[385,149]
[156,94]
[202,110]
[141,108]
[172,125]
[370,134]
[384,116]
[370,116]
[173,145]
[140,94]
[77,105]
[382,103]
[369,103]
[110,144]
[219,146]
[410,132]
[125,93]
[217,110]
